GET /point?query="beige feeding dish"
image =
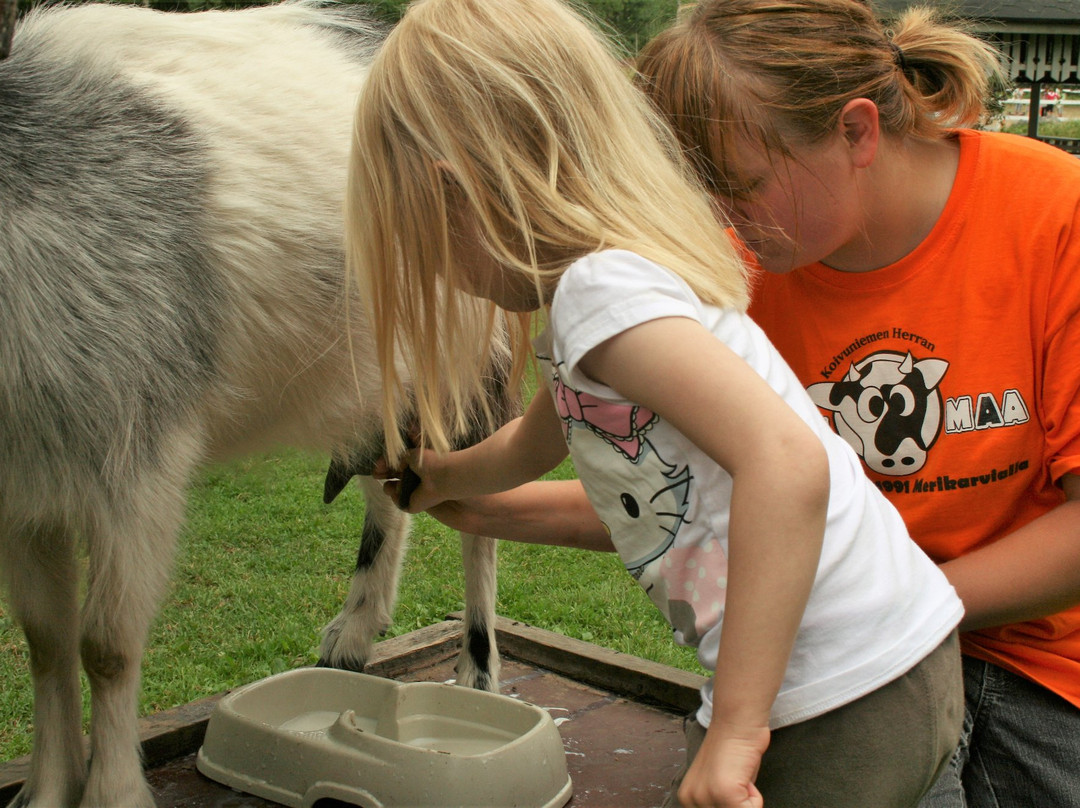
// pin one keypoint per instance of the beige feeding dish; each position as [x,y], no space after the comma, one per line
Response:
[317,733]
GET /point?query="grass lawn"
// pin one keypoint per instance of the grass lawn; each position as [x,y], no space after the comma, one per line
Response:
[263,565]
[1049,128]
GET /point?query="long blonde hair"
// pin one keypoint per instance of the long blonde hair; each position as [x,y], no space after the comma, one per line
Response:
[520,110]
[779,72]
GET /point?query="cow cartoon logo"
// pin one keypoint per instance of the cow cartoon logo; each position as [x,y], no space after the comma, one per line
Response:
[888,408]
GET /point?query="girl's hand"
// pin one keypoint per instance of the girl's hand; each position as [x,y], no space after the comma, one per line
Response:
[723,773]
[518,452]
[406,486]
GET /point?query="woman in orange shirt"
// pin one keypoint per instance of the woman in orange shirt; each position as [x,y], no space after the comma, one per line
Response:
[923,280]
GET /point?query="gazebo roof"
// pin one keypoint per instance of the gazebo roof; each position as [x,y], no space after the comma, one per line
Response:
[999,11]
[1040,39]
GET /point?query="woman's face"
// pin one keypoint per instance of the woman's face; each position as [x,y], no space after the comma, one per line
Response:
[793,211]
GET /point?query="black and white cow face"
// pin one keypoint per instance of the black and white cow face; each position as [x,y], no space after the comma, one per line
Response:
[888,408]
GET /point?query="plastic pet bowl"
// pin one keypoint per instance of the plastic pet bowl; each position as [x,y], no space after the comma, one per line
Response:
[318,733]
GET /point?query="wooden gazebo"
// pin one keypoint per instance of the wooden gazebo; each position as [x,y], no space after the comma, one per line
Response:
[1040,39]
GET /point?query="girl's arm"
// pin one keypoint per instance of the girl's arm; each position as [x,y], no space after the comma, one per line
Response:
[780,474]
[553,512]
[1030,573]
[518,452]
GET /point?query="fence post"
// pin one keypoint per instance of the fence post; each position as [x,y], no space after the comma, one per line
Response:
[8,12]
[1035,109]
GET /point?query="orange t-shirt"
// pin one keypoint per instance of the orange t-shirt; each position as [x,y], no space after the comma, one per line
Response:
[955,371]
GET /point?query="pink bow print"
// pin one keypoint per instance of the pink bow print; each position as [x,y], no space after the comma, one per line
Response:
[621,425]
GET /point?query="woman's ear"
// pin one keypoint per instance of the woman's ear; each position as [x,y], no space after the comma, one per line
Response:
[859,124]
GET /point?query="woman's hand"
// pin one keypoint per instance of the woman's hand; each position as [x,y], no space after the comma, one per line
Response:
[552,512]
[723,773]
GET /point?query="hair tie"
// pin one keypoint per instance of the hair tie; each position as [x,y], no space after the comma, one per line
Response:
[898,57]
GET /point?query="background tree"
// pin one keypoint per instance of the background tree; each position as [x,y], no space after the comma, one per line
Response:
[7,25]
[634,22]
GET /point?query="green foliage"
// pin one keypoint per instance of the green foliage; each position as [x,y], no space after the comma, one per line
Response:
[633,22]
[1049,128]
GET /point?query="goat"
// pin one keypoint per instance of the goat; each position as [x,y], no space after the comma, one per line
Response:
[172,293]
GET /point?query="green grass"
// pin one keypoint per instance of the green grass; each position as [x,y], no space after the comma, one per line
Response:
[1049,128]
[263,565]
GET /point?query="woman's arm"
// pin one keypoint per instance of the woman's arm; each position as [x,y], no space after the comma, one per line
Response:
[555,512]
[518,452]
[780,474]
[1031,573]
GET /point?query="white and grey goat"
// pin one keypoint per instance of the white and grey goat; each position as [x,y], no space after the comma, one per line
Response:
[171,293]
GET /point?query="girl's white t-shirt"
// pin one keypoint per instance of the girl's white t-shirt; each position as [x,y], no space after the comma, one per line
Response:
[878,606]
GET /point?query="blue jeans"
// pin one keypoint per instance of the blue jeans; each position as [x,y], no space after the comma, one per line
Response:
[1020,746]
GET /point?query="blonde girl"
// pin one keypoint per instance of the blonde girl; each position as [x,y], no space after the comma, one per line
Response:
[895,238]
[504,162]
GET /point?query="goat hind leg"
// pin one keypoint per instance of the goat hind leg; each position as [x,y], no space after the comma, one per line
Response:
[368,608]
[478,663]
[348,639]
[41,579]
